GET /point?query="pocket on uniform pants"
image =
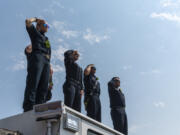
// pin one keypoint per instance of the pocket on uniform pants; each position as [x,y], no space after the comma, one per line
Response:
[67,88]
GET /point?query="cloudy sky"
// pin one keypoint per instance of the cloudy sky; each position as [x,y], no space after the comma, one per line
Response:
[136,40]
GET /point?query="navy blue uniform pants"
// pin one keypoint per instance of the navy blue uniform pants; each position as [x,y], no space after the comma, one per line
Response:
[94,108]
[72,96]
[37,81]
[119,119]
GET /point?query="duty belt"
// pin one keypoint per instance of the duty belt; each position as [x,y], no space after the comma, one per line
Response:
[47,56]
[118,107]
[74,81]
[43,53]
[93,93]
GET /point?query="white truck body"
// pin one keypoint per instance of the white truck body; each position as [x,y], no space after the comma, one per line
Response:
[55,119]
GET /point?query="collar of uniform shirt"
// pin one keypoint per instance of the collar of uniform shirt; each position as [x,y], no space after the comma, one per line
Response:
[117,89]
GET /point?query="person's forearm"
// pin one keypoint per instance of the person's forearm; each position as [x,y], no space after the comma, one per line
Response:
[30,21]
[88,69]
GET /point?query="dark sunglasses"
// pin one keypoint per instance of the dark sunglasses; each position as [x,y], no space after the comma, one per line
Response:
[94,68]
[46,25]
[76,55]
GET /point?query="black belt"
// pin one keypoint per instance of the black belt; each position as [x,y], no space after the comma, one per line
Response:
[43,53]
[117,107]
[47,56]
[73,80]
[95,94]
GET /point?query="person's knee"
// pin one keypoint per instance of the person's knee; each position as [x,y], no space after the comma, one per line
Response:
[67,100]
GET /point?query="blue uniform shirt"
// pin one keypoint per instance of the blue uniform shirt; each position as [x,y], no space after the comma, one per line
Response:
[117,98]
[40,42]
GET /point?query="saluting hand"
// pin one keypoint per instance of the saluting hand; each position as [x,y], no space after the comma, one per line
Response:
[88,69]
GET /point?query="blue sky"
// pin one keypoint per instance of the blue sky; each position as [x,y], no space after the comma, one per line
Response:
[136,40]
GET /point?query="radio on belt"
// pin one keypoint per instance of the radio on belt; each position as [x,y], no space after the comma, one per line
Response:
[71,122]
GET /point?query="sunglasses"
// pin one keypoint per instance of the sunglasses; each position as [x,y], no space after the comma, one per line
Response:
[76,54]
[93,68]
[46,25]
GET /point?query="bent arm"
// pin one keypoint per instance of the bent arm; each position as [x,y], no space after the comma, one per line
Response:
[30,21]
[88,70]
[68,57]
[81,80]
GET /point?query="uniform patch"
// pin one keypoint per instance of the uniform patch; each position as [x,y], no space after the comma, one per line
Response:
[47,44]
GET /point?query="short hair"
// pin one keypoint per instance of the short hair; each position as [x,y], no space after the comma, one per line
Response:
[68,53]
[40,22]
[116,79]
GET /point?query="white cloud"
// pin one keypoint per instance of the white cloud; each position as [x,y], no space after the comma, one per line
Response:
[166,16]
[69,33]
[94,38]
[170,3]
[128,67]
[52,6]
[58,25]
[136,128]
[57,68]
[159,104]
[143,73]
[19,62]
[20,65]
[133,129]
[58,54]
[88,35]
[152,72]
[49,10]
[60,40]
[155,71]
[57,59]
[20,15]
[56,3]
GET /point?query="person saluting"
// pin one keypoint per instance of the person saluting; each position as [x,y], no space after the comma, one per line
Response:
[39,64]
[117,105]
[92,92]
[73,87]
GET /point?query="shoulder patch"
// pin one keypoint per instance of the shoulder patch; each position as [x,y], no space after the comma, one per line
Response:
[47,44]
